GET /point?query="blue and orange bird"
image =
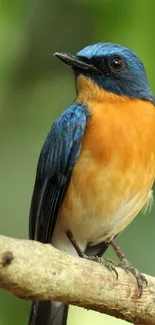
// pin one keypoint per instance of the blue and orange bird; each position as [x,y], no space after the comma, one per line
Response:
[97,165]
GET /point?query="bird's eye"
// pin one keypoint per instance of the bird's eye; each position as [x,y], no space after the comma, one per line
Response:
[116,63]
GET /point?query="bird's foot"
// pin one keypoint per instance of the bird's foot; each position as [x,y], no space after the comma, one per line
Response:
[140,278]
[124,264]
[106,262]
[109,264]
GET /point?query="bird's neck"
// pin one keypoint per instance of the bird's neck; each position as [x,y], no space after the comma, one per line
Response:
[88,91]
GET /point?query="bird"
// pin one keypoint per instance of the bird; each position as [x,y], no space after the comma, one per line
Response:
[97,165]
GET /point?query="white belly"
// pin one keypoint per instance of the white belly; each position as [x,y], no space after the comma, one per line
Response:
[95,229]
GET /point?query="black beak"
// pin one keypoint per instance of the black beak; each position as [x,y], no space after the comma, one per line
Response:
[74,61]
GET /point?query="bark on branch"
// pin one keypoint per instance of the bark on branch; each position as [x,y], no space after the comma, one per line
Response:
[32,270]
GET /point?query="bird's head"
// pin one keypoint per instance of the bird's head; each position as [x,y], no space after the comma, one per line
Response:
[113,68]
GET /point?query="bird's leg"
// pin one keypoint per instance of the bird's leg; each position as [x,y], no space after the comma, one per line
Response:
[106,262]
[124,264]
[74,243]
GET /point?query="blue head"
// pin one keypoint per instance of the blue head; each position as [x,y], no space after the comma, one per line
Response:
[113,67]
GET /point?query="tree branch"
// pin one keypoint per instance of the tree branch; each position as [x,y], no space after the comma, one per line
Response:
[32,270]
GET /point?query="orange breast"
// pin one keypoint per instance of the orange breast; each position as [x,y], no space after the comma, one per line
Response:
[112,179]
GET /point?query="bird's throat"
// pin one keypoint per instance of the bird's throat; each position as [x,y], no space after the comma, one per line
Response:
[88,91]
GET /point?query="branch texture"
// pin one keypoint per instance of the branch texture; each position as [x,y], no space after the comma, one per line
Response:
[31,270]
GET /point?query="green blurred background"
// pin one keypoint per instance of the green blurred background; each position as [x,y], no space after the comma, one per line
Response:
[35,87]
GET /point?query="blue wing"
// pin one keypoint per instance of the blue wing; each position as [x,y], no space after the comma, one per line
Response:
[56,162]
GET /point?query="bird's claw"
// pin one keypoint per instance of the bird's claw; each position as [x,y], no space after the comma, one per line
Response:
[109,264]
[140,278]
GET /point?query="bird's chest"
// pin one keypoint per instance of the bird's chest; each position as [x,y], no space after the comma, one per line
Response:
[112,179]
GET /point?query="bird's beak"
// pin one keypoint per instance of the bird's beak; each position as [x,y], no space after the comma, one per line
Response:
[74,61]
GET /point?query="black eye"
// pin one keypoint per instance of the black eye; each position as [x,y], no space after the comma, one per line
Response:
[116,63]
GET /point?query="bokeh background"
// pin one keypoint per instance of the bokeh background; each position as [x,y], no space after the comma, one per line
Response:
[35,87]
